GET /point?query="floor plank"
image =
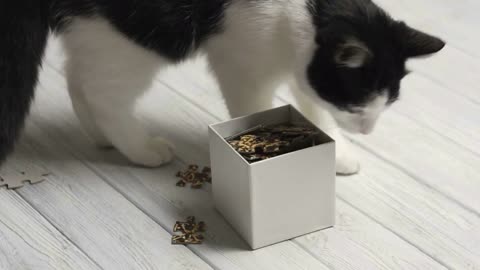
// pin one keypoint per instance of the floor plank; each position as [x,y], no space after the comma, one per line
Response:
[358,242]
[28,241]
[444,230]
[101,222]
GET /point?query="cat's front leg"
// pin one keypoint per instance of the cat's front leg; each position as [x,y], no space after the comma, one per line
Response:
[112,110]
[110,74]
[244,94]
[245,99]
[346,158]
[82,109]
[129,136]
[111,106]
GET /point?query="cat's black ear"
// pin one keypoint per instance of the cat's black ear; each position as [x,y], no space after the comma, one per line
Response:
[417,43]
[352,54]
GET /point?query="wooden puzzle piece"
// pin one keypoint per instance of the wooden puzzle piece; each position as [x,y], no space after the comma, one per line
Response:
[14,180]
[195,177]
[189,232]
[187,239]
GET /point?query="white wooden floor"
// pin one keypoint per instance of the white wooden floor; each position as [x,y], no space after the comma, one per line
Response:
[415,205]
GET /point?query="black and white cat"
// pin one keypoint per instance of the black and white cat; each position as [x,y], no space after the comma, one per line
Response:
[342,58]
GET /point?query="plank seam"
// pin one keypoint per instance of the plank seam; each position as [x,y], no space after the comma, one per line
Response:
[301,246]
[59,231]
[396,234]
[439,133]
[432,79]
[414,177]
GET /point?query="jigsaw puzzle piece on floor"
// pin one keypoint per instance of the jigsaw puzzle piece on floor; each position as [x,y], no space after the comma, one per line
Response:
[14,180]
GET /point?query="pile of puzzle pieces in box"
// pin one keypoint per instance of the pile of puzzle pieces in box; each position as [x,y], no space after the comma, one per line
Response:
[264,142]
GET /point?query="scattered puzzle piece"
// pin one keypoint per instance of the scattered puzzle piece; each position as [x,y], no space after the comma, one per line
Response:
[189,232]
[194,177]
[14,180]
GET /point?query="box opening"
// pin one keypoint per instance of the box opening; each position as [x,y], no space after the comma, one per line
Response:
[271,134]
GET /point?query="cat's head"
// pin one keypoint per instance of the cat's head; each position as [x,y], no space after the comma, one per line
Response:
[359,60]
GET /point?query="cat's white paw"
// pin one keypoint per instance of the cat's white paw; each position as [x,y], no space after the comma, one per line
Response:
[347,161]
[157,152]
[347,164]
[346,158]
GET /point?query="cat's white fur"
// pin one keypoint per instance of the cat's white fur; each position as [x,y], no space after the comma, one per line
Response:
[106,74]
[262,46]
[364,119]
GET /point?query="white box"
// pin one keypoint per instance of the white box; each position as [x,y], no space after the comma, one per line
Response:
[279,198]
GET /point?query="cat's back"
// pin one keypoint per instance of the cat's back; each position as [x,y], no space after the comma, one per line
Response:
[171,27]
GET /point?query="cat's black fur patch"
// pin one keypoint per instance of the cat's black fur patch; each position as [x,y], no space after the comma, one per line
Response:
[22,42]
[388,41]
[171,28]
